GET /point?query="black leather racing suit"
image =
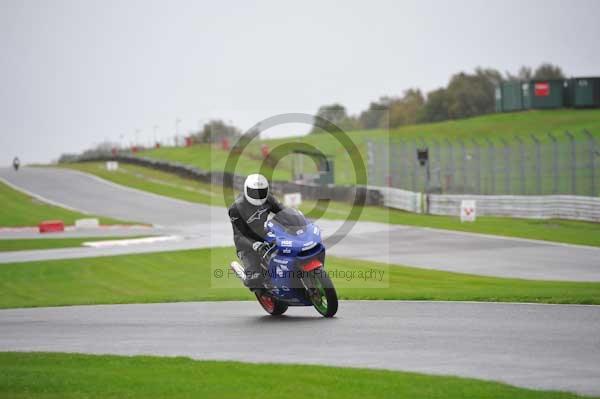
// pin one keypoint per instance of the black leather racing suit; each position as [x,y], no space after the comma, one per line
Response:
[248,222]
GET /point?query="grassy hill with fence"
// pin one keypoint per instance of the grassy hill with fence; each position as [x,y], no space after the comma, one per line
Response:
[509,153]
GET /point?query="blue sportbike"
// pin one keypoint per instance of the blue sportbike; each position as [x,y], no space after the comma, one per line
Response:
[294,267]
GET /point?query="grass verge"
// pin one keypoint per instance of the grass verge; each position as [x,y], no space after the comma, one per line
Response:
[189,276]
[565,231]
[494,127]
[61,375]
[154,181]
[19,209]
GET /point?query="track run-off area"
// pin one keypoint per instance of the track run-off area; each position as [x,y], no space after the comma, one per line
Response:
[538,346]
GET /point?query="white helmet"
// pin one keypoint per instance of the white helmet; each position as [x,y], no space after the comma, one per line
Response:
[256,189]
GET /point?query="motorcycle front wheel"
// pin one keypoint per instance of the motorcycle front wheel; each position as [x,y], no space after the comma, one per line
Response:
[321,293]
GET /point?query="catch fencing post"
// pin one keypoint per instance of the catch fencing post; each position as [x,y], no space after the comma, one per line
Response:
[414,166]
[438,159]
[377,164]
[521,164]
[538,164]
[402,172]
[395,158]
[405,156]
[506,166]
[463,164]
[592,148]
[554,163]
[478,167]
[573,163]
[492,164]
[370,161]
[427,184]
[450,172]
[385,150]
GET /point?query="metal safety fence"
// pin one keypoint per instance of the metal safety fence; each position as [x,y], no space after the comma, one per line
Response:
[533,164]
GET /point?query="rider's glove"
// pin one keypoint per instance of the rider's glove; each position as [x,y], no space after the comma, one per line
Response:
[261,248]
[258,246]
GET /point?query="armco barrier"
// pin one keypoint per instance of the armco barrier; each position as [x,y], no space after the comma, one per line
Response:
[521,206]
[311,192]
[531,206]
[401,199]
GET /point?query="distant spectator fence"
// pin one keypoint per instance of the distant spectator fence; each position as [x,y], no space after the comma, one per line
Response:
[547,171]
[534,164]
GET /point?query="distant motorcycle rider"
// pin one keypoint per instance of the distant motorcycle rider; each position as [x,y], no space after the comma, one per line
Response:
[248,215]
[16,163]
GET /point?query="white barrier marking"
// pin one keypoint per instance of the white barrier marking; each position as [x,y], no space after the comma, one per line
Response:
[91,223]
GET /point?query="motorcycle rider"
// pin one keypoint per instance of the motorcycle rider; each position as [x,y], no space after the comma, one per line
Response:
[16,163]
[248,215]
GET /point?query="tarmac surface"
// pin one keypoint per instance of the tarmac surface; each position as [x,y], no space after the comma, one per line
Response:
[550,347]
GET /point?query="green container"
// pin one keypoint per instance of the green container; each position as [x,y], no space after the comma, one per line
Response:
[546,93]
[525,92]
[568,93]
[585,92]
[512,98]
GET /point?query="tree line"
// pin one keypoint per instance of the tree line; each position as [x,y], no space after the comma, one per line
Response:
[465,95]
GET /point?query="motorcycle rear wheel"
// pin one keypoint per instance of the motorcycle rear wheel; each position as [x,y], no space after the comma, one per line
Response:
[271,305]
[322,293]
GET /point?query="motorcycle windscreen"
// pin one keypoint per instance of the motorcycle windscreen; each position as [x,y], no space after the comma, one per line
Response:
[291,220]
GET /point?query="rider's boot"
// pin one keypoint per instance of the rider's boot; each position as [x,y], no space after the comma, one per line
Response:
[254,276]
[251,279]
[255,280]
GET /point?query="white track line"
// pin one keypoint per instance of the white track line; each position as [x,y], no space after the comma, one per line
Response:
[132,241]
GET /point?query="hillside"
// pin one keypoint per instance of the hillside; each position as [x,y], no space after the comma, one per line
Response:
[494,127]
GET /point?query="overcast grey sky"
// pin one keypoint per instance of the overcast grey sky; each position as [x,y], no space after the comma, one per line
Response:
[77,72]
